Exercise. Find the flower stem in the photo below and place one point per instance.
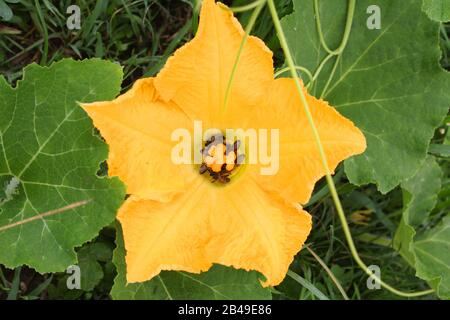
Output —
(337, 202)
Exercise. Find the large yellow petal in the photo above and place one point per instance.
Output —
(300, 165)
(196, 77)
(258, 230)
(137, 128)
(239, 225)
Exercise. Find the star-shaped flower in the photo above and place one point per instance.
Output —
(187, 216)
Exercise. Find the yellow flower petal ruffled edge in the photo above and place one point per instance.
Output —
(258, 227)
(243, 226)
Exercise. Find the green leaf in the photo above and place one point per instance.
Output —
(91, 271)
(58, 290)
(387, 81)
(51, 199)
(88, 261)
(218, 283)
(432, 257)
(438, 10)
(427, 251)
(5, 11)
(442, 150)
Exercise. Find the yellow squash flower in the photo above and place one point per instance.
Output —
(176, 218)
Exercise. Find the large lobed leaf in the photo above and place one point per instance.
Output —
(387, 81)
(428, 250)
(48, 160)
(219, 282)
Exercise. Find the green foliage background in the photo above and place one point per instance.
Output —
(391, 82)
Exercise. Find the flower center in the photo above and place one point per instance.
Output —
(221, 159)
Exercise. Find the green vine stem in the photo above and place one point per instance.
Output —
(302, 69)
(348, 27)
(337, 202)
(249, 6)
(320, 67)
(333, 71)
(195, 13)
(342, 45)
(248, 29)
